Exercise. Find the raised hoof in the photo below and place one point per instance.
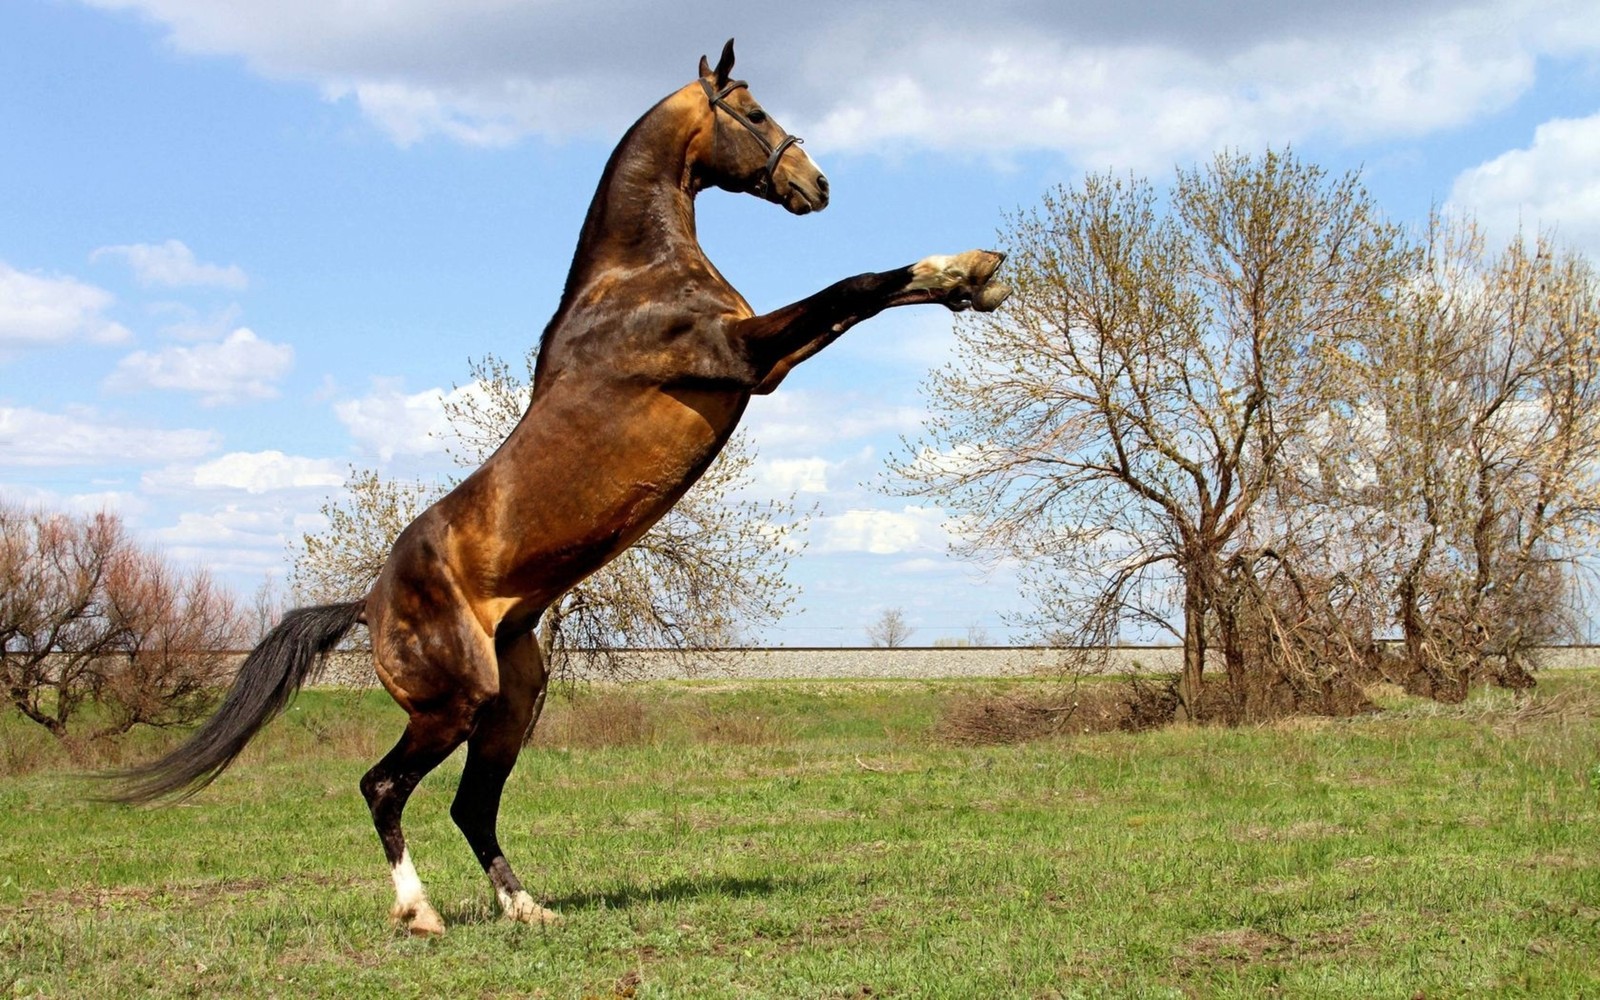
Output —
(979, 265)
(961, 281)
(524, 910)
(421, 921)
(989, 297)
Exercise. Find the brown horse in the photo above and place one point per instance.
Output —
(642, 375)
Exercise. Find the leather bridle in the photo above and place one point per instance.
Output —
(718, 99)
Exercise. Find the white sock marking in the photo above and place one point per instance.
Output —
(929, 272)
(408, 892)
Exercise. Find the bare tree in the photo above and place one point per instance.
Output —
(889, 630)
(340, 562)
(1485, 471)
(52, 625)
(176, 638)
(707, 575)
(87, 615)
(1119, 425)
(266, 607)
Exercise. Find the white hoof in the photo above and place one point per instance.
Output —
(419, 919)
(524, 910)
(943, 273)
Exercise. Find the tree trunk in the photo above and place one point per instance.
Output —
(1194, 653)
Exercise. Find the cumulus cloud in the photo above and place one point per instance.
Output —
(883, 532)
(242, 540)
(183, 322)
(1031, 74)
(251, 472)
(390, 421)
(121, 502)
(790, 475)
(797, 419)
(173, 265)
(1551, 183)
(239, 367)
(31, 437)
(38, 310)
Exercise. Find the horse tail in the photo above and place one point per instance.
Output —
(266, 683)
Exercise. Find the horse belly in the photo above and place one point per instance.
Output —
(552, 522)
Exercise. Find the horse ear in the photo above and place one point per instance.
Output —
(725, 65)
(705, 68)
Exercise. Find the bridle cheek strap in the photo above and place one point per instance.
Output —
(774, 153)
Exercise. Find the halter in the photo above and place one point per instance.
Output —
(774, 153)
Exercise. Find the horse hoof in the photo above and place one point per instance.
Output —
(989, 297)
(422, 922)
(979, 265)
(524, 910)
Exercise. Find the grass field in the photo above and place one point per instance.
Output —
(814, 840)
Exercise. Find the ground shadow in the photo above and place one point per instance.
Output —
(672, 890)
(624, 896)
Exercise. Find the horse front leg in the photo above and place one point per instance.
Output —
(777, 341)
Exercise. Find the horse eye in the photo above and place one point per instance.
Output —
(757, 116)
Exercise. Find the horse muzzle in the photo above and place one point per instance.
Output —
(802, 196)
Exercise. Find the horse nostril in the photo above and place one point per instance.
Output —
(822, 185)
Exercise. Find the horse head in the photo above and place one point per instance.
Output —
(751, 153)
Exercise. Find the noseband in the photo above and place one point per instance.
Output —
(718, 99)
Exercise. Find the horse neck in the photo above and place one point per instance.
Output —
(643, 209)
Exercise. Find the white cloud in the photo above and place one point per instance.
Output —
(241, 540)
(239, 367)
(34, 438)
(780, 476)
(231, 524)
(251, 472)
(1552, 183)
(38, 310)
(883, 532)
(119, 501)
(391, 422)
(797, 419)
(1032, 74)
(173, 265)
(183, 322)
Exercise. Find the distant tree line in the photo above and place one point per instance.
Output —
(1250, 412)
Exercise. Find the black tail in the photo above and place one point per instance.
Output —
(267, 681)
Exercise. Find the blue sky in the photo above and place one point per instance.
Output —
(244, 246)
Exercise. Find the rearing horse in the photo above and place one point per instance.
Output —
(642, 375)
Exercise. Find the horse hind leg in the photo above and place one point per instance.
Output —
(437, 726)
(492, 752)
(386, 788)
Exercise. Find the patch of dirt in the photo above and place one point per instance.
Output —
(1242, 946)
(625, 988)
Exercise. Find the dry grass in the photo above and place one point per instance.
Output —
(997, 720)
(606, 716)
(599, 717)
(1507, 712)
(736, 728)
(1138, 704)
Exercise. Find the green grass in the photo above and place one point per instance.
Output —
(834, 850)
